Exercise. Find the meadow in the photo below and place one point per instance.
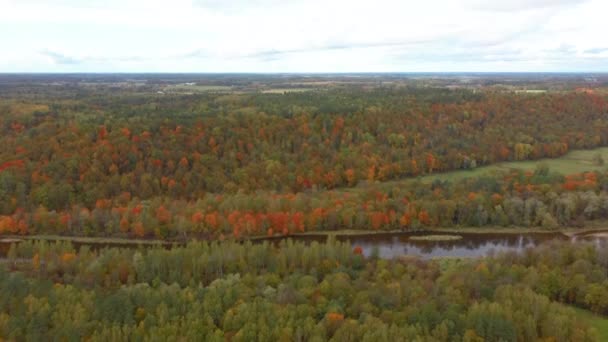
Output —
(573, 162)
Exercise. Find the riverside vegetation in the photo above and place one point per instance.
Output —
(325, 291)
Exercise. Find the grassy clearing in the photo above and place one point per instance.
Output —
(571, 163)
(600, 323)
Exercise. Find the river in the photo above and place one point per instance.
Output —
(391, 245)
(469, 245)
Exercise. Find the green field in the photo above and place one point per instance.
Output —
(600, 323)
(571, 163)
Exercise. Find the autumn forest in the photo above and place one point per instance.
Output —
(209, 181)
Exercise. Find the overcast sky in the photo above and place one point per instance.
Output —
(303, 35)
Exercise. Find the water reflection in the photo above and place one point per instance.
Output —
(471, 245)
(391, 245)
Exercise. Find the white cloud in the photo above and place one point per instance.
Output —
(313, 35)
(522, 5)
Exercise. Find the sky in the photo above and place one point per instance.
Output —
(288, 36)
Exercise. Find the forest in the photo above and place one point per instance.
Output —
(214, 180)
(116, 160)
(297, 292)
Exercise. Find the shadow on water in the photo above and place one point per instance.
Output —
(391, 245)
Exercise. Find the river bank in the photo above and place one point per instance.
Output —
(568, 231)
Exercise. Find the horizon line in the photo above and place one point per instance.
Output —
(286, 72)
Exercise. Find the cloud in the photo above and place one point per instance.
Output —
(237, 5)
(59, 58)
(462, 54)
(274, 53)
(301, 35)
(197, 53)
(563, 49)
(63, 59)
(522, 5)
(595, 51)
